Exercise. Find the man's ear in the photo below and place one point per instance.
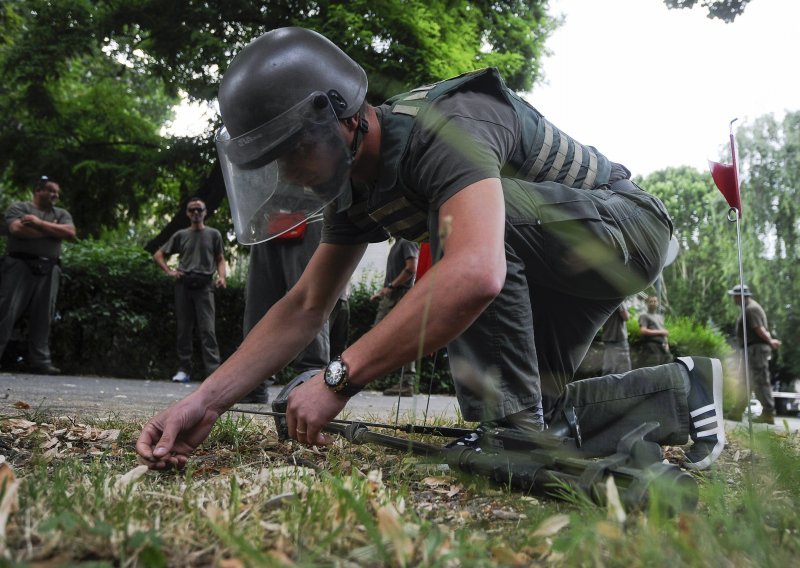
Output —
(350, 123)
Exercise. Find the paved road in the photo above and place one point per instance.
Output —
(138, 399)
(131, 398)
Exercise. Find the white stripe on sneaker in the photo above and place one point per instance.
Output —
(705, 433)
(702, 409)
(705, 421)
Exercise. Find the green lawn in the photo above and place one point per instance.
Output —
(248, 500)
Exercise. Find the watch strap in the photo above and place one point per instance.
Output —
(349, 390)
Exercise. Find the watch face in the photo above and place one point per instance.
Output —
(334, 373)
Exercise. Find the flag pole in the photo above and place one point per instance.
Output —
(735, 215)
(726, 177)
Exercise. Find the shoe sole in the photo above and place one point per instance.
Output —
(716, 373)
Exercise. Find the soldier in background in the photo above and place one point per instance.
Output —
(616, 351)
(200, 251)
(31, 270)
(760, 345)
(652, 329)
(401, 270)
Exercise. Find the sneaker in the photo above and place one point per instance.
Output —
(706, 425)
(401, 390)
(259, 395)
(765, 418)
(180, 377)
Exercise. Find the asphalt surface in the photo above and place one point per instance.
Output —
(103, 397)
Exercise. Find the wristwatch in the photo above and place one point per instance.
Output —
(336, 379)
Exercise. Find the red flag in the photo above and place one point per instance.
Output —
(425, 261)
(726, 176)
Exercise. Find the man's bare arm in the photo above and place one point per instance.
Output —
(287, 328)
(32, 227)
(170, 437)
(458, 288)
(647, 332)
(765, 336)
(454, 292)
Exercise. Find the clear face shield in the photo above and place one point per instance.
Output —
(280, 174)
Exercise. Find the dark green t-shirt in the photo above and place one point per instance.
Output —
(653, 321)
(198, 250)
(49, 247)
(401, 251)
(756, 317)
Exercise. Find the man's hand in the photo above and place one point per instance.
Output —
(311, 406)
(31, 220)
(168, 439)
(220, 283)
(385, 291)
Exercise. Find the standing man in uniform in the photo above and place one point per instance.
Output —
(760, 345)
(651, 327)
(401, 269)
(31, 270)
(616, 351)
(200, 254)
(275, 266)
(539, 238)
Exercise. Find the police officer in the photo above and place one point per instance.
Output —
(540, 239)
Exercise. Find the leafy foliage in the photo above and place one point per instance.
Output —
(707, 266)
(114, 301)
(725, 10)
(90, 84)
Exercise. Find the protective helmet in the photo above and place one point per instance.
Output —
(282, 152)
(740, 291)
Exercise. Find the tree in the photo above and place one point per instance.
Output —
(707, 266)
(725, 10)
(769, 157)
(73, 113)
(696, 282)
(103, 138)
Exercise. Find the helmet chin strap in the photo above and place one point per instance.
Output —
(363, 128)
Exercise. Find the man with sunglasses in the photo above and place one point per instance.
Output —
(30, 271)
(539, 238)
(200, 255)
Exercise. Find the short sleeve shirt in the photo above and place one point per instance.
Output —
(756, 317)
(653, 321)
(615, 329)
(198, 250)
(49, 247)
(401, 251)
(467, 137)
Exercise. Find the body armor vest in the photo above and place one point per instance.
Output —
(543, 153)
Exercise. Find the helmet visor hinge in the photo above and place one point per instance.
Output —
(337, 101)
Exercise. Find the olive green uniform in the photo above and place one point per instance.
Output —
(30, 280)
(194, 304)
(579, 238)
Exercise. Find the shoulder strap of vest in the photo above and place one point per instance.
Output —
(412, 102)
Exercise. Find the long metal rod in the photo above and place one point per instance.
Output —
(443, 431)
(745, 355)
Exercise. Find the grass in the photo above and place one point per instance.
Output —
(248, 500)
